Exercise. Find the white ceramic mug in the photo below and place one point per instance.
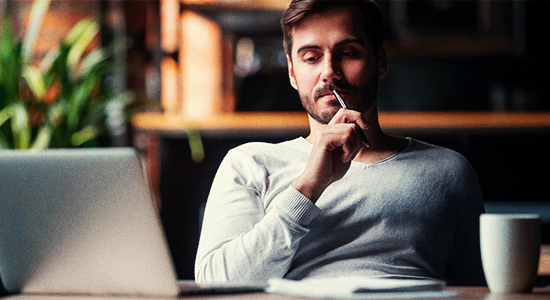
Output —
(510, 249)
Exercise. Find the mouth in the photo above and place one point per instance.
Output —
(340, 91)
(327, 97)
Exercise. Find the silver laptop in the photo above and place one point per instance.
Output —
(81, 221)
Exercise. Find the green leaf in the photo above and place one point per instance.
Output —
(20, 127)
(54, 119)
(195, 144)
(5, 114)
(79, 39)
(79, 100)
(96, 57)
(5, 49)
(10, 65)
(77, 31)
(38, 11)
(55, 112)
(85, 134)
(49, 59)
(6, 40)
(4, 142)
(35, 81)
(43, 138)
(90, 62)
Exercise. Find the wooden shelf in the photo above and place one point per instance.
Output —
(237, 4)
(150, 128)
(281, 123)
(224, 125)
(466, 122)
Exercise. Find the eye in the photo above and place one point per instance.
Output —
(310, 58)
(348, 53)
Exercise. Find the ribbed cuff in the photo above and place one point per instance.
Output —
(298, 207)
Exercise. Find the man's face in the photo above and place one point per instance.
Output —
(329, 52)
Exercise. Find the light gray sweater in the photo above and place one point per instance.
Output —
(414, 214)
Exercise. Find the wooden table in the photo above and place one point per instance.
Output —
(470, 293)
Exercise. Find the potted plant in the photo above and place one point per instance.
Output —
(63, 101)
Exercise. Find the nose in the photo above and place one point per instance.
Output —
(331, 70)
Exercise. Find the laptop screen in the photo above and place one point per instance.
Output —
(80, 221)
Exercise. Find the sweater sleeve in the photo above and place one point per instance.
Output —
(243, 238)
(465, 265)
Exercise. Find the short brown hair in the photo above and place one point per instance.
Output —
(368, 10)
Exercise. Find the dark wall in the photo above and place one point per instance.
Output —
(538, 48)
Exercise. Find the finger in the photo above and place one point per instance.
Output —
(349, 141)
(349, 116)
(340, 116)
(350, 150)
(361, 122)
(343, 136)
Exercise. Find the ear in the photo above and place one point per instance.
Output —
(291, 74)
(382, 62)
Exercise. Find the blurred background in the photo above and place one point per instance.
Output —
(201, 59)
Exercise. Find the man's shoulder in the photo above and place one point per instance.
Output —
(443, 164)
(266, 154)
(264, 148)
(437, 154)
(261, 157)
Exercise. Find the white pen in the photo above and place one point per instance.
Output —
(343, 104)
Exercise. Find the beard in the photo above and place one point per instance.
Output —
(324, 116)
(365, 94)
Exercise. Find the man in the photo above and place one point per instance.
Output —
(328, 205)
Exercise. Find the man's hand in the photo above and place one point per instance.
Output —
(335, 146)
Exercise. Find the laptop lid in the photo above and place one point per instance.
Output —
(80, 221)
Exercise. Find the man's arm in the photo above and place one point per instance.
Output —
(465, 267)
(241, 240)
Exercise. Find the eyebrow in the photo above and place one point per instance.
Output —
(338, 44)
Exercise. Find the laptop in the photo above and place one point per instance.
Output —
(81, 221)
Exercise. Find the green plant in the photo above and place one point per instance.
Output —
(63, 102)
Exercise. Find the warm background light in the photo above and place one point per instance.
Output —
(169, 87)
(200, 66)
(169, 15)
